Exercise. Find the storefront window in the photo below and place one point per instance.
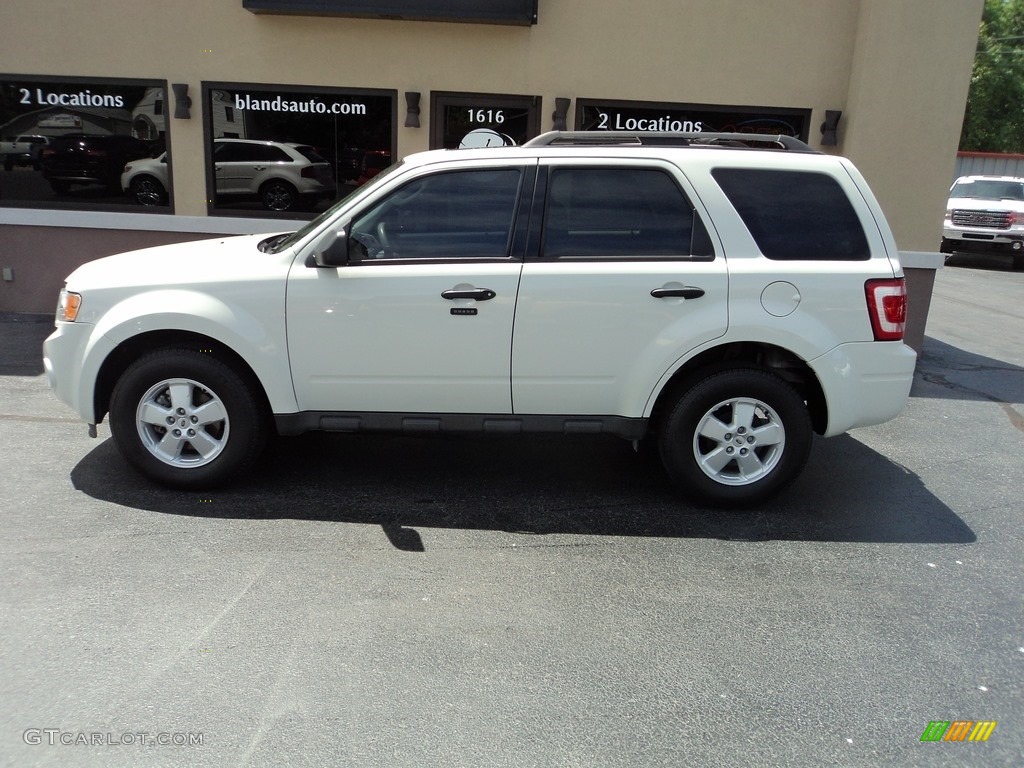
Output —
(601, 115)
(84, 143)
(479, 120)
(294, 151)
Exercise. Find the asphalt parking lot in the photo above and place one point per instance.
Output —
(381, 601)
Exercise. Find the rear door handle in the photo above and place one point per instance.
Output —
(479, 294)
(686, 292)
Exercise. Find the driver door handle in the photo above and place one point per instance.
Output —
(479, 294)
(686, 292)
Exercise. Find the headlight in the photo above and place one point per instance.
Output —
(68, 306)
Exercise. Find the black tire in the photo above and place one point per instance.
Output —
(60, 187)
(277, 195)
(148, 191)
(736, 438)
(221, 426)
(8, 163)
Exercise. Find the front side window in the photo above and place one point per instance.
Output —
(795, 215)
(620, 213)
(458, 214)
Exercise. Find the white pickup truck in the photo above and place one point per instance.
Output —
(23, 150)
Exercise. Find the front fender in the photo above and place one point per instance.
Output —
(256, 334)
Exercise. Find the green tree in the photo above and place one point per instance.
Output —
(994, 119)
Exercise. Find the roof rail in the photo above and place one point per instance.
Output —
(670, 139)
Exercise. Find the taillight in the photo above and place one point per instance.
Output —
(887, 308)
(309, 172)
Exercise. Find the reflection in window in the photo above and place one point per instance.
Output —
(463, 214)
(295, 150)
(67, 143)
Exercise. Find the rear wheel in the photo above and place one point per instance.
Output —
(186, 419)
(146, 190)
(736, 438)
(278, 195)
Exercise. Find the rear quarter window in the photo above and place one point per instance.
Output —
(795, 215)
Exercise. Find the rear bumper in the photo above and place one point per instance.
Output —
(865, 383)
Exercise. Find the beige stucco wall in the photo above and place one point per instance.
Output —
(898, 69)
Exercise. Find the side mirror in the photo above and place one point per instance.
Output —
(332, 250)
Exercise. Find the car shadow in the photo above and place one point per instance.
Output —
(997, 262)
(950, 373)
(543, 485)
(21, 343)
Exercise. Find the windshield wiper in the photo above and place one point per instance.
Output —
(272, 242)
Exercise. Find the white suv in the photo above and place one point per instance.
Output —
(717, 301)
(282, 176)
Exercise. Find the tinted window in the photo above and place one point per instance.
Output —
(613, 213)
(310, 154)
(230, 152)
(795, 215)
(463, 214)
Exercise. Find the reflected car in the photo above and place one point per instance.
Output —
(282, 176)
(373, 163)
(79, 158)
(146, 181)
(23, 150)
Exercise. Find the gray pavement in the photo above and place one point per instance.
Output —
(379, 601)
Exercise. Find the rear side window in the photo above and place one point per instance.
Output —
(795, 215)
(620, 213)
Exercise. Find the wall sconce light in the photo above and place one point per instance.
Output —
(412, 109)
(558, 117)
(182, 101)
(828, 128)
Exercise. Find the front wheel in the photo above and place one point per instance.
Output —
(736, 438)
(186, 419)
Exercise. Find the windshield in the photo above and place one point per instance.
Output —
(989, 189)
(278, 243)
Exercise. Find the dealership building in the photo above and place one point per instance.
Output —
(335, 90)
